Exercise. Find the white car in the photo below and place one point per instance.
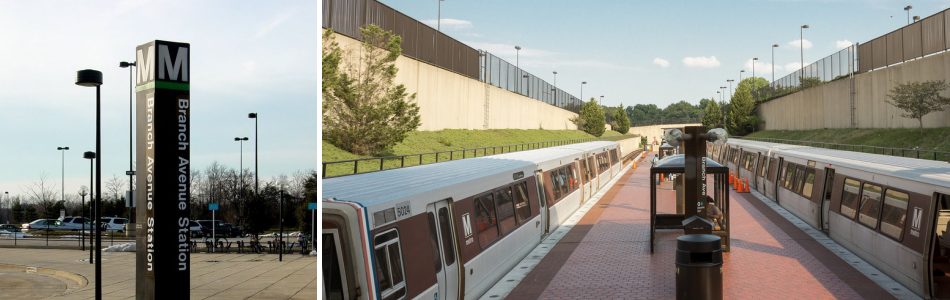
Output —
(114, 223)
(75, 223)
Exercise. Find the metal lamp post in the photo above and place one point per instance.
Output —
(801, 44)
(254, 116)
(907, 9)
(62, 186)
(730, 86)
(82, 212)
(438, 23)
(754, 98)
(740, 75)
(280, 243)
(517, 50)
(582, 89)
(90, 78)
(773, 61)
(131, 171)
(241, 140)
(90, 156)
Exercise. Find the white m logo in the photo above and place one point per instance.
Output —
(916, 221)
(467, 225)
(173, 69)
(144, 62)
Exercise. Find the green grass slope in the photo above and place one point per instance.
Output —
(445, 140)
(929, 139)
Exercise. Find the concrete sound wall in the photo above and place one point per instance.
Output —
(448, 100)
(829, 105)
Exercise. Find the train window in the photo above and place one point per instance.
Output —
(809, 183)
(434, 239)
(772, 165)
(485, 220)
(613, 156)
(788, 172)
(565, 185)
(735, 156)
(583, 166)
(894, 213)
(572, 177)
(555, 184)
(761, 166)
(590, 167)
(799, 178)
(870, 209)
(447, 243)
(506, 210)
(849, 197)
(388, 265)
(522, 205)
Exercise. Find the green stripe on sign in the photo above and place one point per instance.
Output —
(167, 85)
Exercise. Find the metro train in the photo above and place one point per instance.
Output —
(891, 211)
(451, 230)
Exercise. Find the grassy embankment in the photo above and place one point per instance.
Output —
(927, 140)
(445, 140)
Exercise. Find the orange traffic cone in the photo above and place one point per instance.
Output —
(747, 189)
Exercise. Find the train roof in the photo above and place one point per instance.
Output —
(457, 178)
(920, 170)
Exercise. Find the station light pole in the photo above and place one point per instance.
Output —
(131, 171)
(62, 151)
(438, 23)
(254, 116)
(907, 9)
(240, 140)
(754, 60)
(517, 50)
(740, 75)
(801, 46)
(730, 86)
(773, 61)
(82, 212)
(90, 78)
(90, 156)
(582, 90)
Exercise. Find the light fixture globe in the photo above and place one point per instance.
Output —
(717, 136)
(673, 137)
(88, 77)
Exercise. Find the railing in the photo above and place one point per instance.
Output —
(903, 152)
(375, 164)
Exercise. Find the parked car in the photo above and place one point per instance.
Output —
(195, 228)
(221, 230)
(44, 224)
(76, 223)
(9, 228)
(113, 224)
(11, 231)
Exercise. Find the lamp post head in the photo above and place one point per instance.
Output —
(555, 72)
(729, 80)
(774, 45)
(805, 26)
(916, 18)
(583, 82)
(126, 64)
(89, 155)
(62, 148)
(908, 8)
(517, 47)
(524, 76)
(240, 139)
(88, 77)
(252, 115)
(755, 58)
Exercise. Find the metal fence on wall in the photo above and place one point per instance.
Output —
(424, 43)
(505, 75)
(830, 68)
(913, 41)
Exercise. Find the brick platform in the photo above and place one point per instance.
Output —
(607, 255)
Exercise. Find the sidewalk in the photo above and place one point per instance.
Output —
(213, 276)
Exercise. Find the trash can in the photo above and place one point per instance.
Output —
(698, 267)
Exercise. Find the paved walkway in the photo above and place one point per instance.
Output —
(67, 274)
(607, 255)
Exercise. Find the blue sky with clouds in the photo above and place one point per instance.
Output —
(661, 51)
(246, 56)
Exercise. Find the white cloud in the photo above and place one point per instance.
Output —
(701, 62)
(843, 44)
(760, 67)
(661, 62)
(804, 44)
(793, 66)
(450, 23)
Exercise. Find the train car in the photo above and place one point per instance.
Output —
(590, 168)
(448, 230)
(891, 211)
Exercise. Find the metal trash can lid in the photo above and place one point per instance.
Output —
(699, 243)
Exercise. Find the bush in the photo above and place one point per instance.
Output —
(591, 119)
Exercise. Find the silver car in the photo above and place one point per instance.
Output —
(45, 224)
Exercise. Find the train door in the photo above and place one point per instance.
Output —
(542, 200)
(939, 262)
(334, 274)
(826, 198)
(778, 178)
(448, 276)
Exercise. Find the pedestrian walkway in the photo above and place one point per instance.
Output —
(68, 275)
(607, 255)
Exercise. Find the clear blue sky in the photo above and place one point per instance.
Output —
(619, 47)
(246, 56)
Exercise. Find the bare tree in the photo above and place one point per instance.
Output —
(115, 187)
(43, 195)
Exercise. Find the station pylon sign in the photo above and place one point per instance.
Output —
(163, 182)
